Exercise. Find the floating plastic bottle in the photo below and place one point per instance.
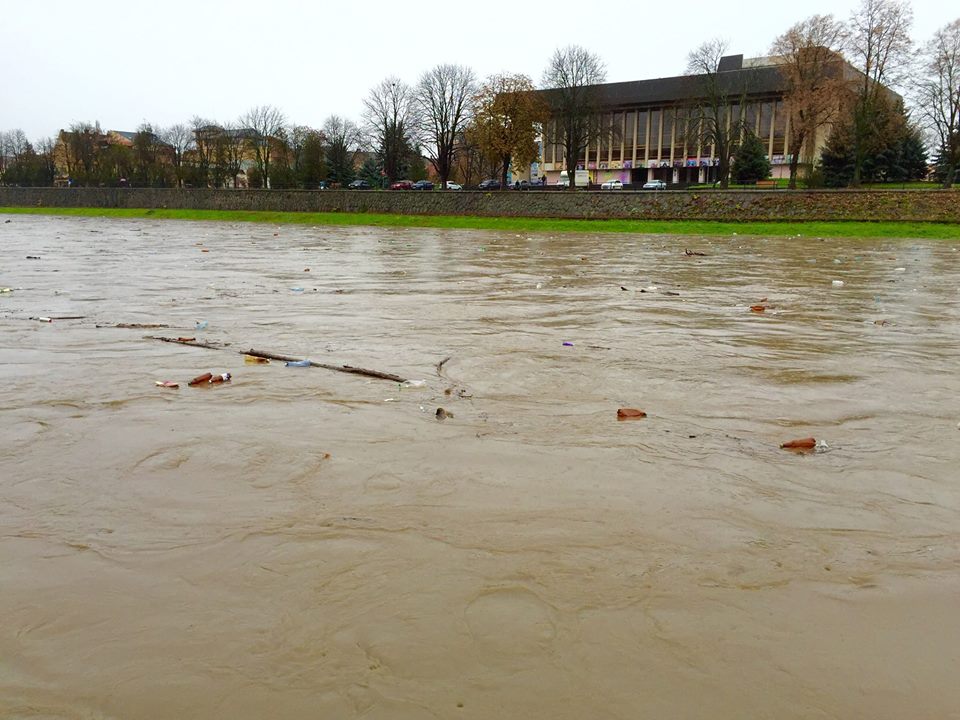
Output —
(202, 324)
(221, 378)
(298, 363)
(200, 379)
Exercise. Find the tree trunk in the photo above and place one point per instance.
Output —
(724, 170)
(503, 171)
(794, 163)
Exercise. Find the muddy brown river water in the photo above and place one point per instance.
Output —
(301, 543)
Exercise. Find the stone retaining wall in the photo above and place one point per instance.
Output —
(802, 205)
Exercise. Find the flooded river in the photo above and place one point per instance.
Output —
(302, 543)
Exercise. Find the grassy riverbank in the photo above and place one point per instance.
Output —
(947, 231)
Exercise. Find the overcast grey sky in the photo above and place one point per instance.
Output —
(163, 62)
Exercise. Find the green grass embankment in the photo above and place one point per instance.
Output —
(946, 231)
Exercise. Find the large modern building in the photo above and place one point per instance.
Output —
(642, 136)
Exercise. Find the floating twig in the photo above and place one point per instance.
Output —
(442, 363)
(137, 326)
(187, 341)
(284, 358)
(338, 368)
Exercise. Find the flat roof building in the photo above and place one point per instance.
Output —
(641, 135)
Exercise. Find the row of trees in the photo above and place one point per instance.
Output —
(260, 146)
(468, 129)
(26, 163)
(872, 136)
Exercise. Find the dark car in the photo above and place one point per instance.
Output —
(359, 185)
(423, 185)
(490, 185)
(402, 185)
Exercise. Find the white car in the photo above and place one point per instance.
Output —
(454, 186)
(655, 185)
(612, 185)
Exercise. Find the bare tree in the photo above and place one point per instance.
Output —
(3, 152)
(716, 115)
(47, 148)
(180, 139)
(444, 98)
(81, 144)
(938, 95)
(389, 117)
(205, 135)
(267, 122)
(343, 141)
(572, 77)
(812, 70)
(233, 142)
(15, 150)
(17, 144)
(8, 141)
(879, 46)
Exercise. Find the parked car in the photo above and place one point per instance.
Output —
(454, 186)
(655, 185)
(402, 185)
(522, 185)
(423, 185)
(324, 185)
(612, 185)
(490, 185)
(359, 185)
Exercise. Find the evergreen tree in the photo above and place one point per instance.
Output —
(414, 165)
(941, 166)
(837, 159)
(914, 153)
(751, 163)
(282, 176)
(313, 169)
(371, 172)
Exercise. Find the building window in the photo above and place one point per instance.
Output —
(666, 133)
(680, 139)
(751, 117)
(779, 128)
(766, 122)
(629, 130)
(642, 117)
(616, 137)
(654, 147)
(604, 139)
